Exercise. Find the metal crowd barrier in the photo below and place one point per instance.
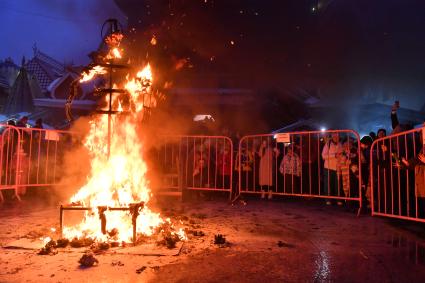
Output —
(190, 162)
(30, 157)
(397, 169)
(304, 164)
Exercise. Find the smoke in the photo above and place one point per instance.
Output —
(75, 167)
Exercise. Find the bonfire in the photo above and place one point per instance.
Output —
(116, 196)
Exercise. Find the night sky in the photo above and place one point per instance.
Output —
(67, 30)
(343, 51)
(361, 48)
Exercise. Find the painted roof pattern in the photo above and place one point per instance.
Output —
(44, 68)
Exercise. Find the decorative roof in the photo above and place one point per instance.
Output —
(20, 98)
(44, 68)
(8, 72)
(3, 82)
(8, 63)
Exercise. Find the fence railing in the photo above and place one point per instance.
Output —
(397, 167)
(203, 163)
(30, 157)
(322, 164)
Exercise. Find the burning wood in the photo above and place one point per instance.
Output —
(62, 243)
(88, 260)
(49, 248)
(81, 242)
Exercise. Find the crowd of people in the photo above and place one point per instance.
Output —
(334, 163)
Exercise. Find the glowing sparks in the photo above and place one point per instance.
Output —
(153, 40)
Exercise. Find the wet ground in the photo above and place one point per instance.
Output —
(268, 241)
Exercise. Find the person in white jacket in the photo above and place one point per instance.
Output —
(330, 154)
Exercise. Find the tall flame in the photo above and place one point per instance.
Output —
(120, 179)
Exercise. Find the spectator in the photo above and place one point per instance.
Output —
(309, 155)
(22, 122)
(224, 167)
(38, 124)
(290, 168)
(200, 158)
(397, 127)
(344, 164)
(266, 153)
(330, 154)
(372, 135)
(382, 181)
(246, 163)
(365, 144)
(382, 133)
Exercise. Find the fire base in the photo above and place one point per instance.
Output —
(133, 208)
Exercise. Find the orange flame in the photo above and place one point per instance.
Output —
(114, 53)
(119, 180)
(96, 70)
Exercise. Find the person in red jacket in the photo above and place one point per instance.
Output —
(224, 167)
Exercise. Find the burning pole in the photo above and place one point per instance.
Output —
(111, 35)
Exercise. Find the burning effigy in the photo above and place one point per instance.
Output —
(115, 198)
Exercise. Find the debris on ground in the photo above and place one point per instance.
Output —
(197, 233)
(48, 249)
(282, 244)
(117, 263)
(83, 242)
(103, 246)
(219, 239)
(88, 260)
(167, 237)
(140, 270)
(62, 243)
(170, 241)
(98, 247)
